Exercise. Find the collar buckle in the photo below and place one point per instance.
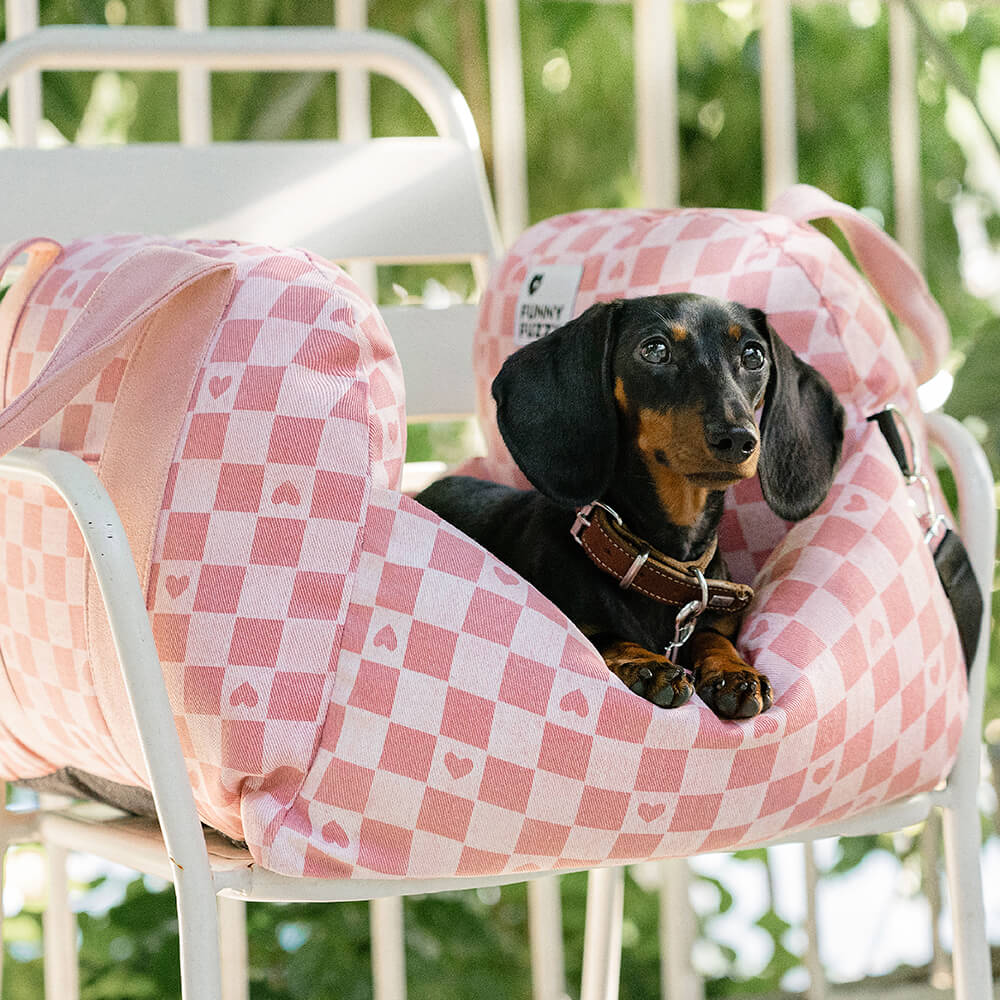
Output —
(582, 521)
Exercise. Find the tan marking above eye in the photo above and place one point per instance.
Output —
(735, 331)
(679, 332)
(620, 396)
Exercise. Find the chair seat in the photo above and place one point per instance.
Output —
(137, 842)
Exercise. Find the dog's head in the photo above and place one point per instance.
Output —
(673, 382)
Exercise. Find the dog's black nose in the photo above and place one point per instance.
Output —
(732, 444)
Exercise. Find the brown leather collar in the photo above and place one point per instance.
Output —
(638, 566)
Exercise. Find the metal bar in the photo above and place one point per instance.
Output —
(510, 170)
(970, 950)
(234, 49)
(548, 969)
(107, 544)
(977, 515)
(657, 130)
(194, 83)
(960, 816)
(354, 118)
(812, 961)
(233, 948)
(61, 972)
(904, 129)
(25, 100)
(777, 87)
(4, 844)
(930, 863)
(353, 90)
(602, 936)
(678, 930)
(388, 950)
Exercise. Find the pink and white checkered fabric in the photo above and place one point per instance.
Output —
(361, 691)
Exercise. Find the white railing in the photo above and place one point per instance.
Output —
(657, 116)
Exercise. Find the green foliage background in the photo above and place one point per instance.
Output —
(580, 154)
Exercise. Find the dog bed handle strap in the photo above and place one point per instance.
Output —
(886, 265)
(126, 298)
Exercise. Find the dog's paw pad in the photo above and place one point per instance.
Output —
(663, 683)
(736, 692)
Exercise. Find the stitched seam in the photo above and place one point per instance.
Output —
(642, 590)
(652, 569)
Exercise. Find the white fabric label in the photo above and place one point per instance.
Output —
(545, 301)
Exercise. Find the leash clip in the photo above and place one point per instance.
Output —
(687, 617)
(890, 419)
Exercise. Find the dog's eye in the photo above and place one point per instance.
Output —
(753, 357)
(655, 350)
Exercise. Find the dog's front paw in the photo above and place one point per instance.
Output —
(731, 688)
(725, 681)
(649, 675)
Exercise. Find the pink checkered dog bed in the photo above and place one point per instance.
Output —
(360, 690)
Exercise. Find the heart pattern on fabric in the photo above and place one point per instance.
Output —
(458, 767)
(244, 695)
(334, 833)
(648, 811)
(821, 773)
(856, 503)
(505, 576)
(286, 493)
(217, 385)
(176, 585)
(574, 701)
(385, 638)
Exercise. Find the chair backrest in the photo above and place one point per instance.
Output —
(398, 200)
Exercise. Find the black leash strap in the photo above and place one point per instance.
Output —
(950, 557)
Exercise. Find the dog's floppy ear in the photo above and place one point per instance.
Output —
(802, 430)
(556, 410)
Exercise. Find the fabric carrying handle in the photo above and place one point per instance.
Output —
(886, 265)
(124, 301)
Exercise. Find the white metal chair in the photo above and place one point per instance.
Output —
(424, 200)
(227, 872)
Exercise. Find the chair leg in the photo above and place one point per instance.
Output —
(678, 928)
(3, 868)
(970, 949)
(198, 930)
(233, 953)
(388, 948)
(813, 962)
(602, 936)
(60, 964)
(548, 969)
(930, 866)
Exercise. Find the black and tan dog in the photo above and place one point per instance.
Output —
(647, 406)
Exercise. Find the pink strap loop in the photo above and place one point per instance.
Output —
(128, 296)
(36, 246)
(886, 265)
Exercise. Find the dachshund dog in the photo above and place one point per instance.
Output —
(640, 412)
